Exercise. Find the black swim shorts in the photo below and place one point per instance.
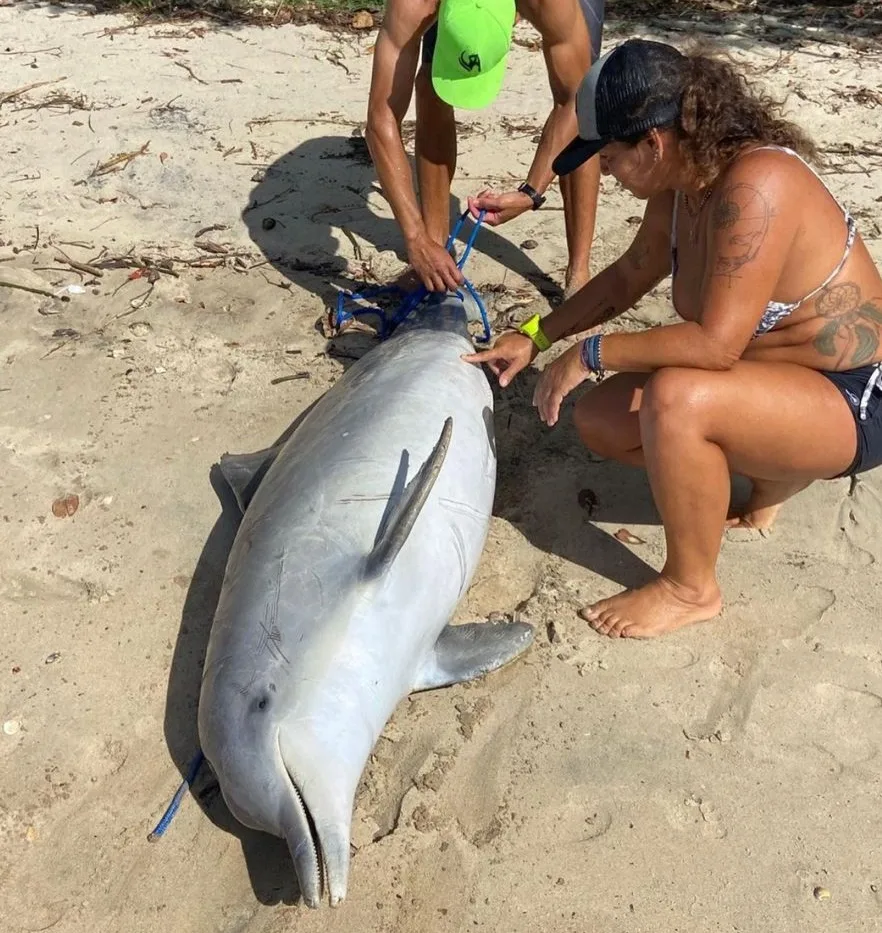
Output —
(861, 388)
(592, 10)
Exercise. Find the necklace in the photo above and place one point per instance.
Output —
(697, 213)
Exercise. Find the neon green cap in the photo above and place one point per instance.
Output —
(471, 50)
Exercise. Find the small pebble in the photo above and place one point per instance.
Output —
(821, 893)
(11, 726)
(52, 658)
(529, 244)
(268, 223)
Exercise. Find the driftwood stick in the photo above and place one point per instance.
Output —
(28, 288)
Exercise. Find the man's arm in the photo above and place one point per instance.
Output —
(566, 46)
(396, 57)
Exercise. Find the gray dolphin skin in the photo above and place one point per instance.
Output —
(360, 535)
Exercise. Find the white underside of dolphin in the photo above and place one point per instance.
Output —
(359, 537)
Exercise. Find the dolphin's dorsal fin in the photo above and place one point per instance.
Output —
(398, 523)
(243, 472)
(464, 652)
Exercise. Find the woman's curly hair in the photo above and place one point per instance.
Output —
(722, 113)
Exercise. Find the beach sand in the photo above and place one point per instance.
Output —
(724, 778)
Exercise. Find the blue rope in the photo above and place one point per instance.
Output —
(412, 300)
(172, 808)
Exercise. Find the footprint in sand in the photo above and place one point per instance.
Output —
(629, 656)
(696, 812)
(860, 517)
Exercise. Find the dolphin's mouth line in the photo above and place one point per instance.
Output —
(313, 837)
(314, 870)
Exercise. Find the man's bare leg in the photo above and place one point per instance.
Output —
(579, 191)
(435, 155)
(435, 152)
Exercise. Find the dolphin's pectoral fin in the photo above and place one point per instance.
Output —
(464, 652)
(397, 524)
(244, 472)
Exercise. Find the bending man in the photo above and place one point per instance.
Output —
(464, 46)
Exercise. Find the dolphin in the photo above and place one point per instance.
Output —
(360, 534)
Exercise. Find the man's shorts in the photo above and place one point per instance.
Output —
(591, 9)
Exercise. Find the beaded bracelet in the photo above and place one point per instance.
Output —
(589, 353)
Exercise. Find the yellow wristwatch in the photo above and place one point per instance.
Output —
(532, 328)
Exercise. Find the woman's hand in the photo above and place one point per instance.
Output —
(511, 353)
(500, 208)
(558, 379)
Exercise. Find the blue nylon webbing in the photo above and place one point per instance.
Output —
(412, 300)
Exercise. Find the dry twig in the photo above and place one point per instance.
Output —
(119, 162)
(81, 266)
(28, 288)
(189, 71)
(12, 95)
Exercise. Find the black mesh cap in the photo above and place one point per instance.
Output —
(628, 91)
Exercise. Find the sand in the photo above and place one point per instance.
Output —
(725, 778)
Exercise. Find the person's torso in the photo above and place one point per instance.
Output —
(826, 308)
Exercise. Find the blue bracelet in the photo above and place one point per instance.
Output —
(590, 353)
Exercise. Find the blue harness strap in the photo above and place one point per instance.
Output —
(172, 809)
(409, 301)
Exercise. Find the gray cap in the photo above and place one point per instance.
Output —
(633, 88)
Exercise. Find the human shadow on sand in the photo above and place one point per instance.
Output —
(553, 490)
(301, 204)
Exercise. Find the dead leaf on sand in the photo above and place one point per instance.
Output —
(626, 537)
(65, 506)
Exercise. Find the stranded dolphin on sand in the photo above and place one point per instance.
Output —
(354, 550)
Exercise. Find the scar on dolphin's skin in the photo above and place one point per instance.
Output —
(460, 547)
(272, 637)
(243, 690)
(462, 507)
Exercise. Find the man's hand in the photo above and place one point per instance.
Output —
(500, 208)
(511, 353)
(558, 379)
(434, 265)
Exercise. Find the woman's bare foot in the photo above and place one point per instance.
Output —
(659, 607)
(761, 510)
